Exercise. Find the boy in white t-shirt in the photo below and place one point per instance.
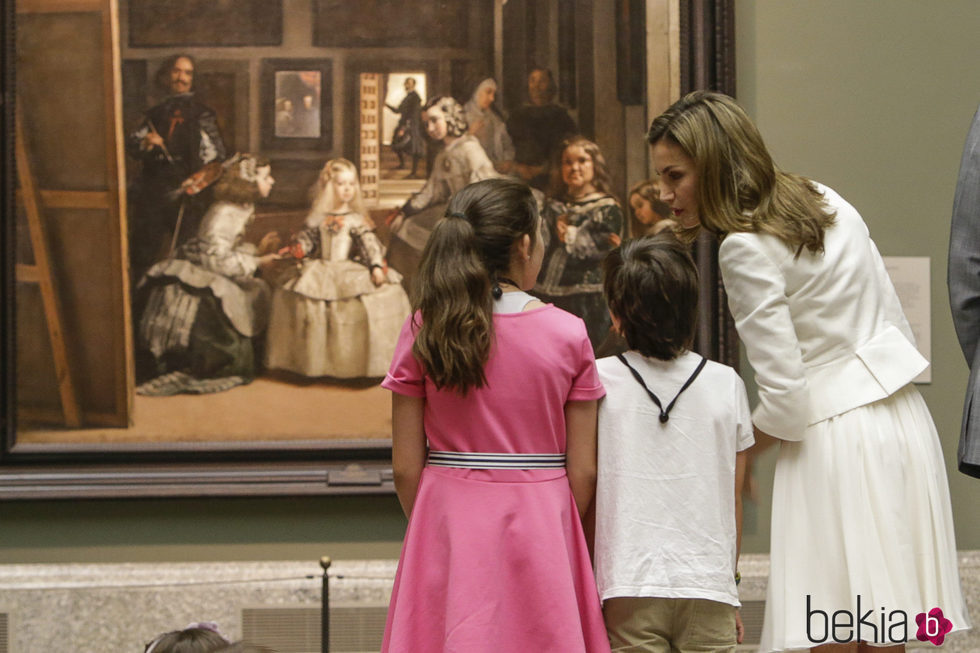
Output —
(673, 434)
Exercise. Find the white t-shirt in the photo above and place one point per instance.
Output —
(665, 499)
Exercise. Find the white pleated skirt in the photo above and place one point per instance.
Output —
(861, 509)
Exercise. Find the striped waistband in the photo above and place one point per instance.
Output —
(476, 460)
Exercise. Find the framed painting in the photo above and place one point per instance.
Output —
(406, 24)
(103, 94)
(297, 104)
(186, 23)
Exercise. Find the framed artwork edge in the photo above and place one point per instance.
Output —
(33, 472)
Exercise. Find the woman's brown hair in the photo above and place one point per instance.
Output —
(739, 187)
(467, 252)
(237, 182)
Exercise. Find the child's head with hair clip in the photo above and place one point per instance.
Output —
(651, 286)
(195, 638)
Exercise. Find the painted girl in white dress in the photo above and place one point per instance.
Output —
(337, 312)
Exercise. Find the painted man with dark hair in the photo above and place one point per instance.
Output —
(538, 127)
(175, 139)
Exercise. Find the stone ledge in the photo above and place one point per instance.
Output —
(117, 608)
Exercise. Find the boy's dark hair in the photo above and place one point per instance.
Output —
(651, 286)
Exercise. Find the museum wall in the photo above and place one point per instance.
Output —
(874, 103)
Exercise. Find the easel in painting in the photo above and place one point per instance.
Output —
(41, 274)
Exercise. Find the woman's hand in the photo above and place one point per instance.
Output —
(268, 261)
(561, 227)
(478, 126)
(395, 219)
(270, 242)
(378, 275)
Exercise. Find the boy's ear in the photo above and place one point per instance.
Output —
(617, 326)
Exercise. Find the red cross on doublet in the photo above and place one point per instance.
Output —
(176, 119)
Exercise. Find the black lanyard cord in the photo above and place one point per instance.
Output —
(664, 412)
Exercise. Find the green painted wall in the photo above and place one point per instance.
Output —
(872, 98)
(201, 529)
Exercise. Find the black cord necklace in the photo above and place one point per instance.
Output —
(497, 291)
(664, 412)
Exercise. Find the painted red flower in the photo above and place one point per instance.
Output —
(933, 626)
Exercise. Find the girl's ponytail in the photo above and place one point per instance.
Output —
(466, 252)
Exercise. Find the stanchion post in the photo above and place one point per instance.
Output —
(325, 606)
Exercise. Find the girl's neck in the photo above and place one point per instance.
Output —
(583, 192)
(449, 140)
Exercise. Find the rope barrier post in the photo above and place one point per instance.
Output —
(325, 606)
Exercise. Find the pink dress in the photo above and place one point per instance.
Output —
(495, 559)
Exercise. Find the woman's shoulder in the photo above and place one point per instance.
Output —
(738, 249)
(468, 146)
(225, 207)
(223, 216)
(466, 142)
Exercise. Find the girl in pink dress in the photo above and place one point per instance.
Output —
(493, 444)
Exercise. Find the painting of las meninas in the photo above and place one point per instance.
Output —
(198, 264)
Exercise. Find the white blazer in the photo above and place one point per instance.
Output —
(825, 333)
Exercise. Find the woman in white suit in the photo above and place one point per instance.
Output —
(861, 517)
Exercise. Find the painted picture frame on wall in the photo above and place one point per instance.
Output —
(385, 24)
(297, 104)
(185, 23)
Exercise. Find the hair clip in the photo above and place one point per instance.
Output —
(205, 625)
(457, 214)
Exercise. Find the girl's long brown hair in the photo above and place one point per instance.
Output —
(468, 250)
